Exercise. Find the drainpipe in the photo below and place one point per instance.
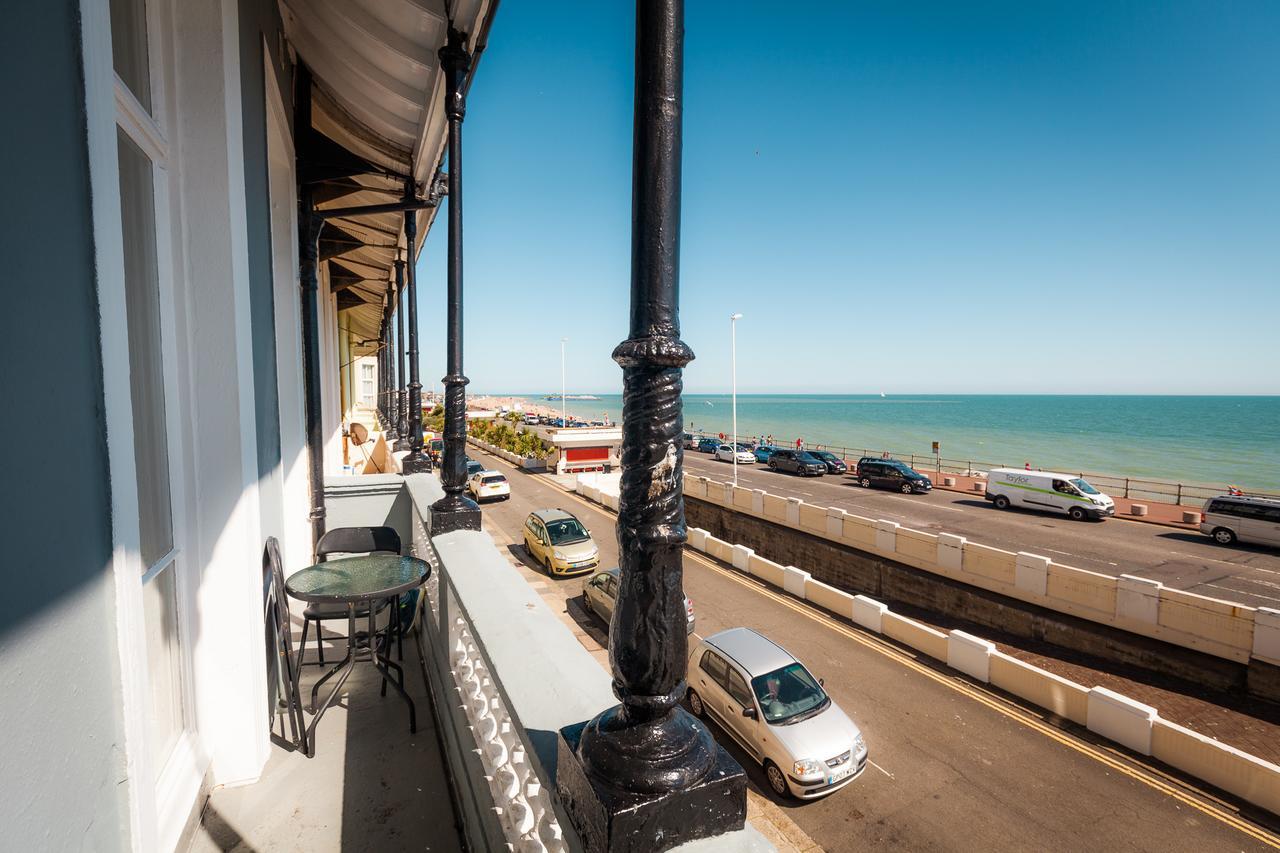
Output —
(646, 769)
(308, 275)
(454, 511)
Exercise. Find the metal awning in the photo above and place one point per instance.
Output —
(377, 94)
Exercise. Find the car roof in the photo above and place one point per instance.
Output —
(546, 515)
(754, 652)
(1023, 471)
(488, 471)
(1248, 499)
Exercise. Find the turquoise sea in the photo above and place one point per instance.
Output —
(1212, 440)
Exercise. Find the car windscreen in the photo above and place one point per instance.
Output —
(788, 695)
(744, 447)
(490, 481)
(1084, 486)
(825, 455)
(566, 531)
(806, 456)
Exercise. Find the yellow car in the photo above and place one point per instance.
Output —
(559, 543)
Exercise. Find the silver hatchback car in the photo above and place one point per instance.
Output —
(777, 711)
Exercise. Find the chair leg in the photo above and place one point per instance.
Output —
(302, 649)
(399, 632)
(320, 640)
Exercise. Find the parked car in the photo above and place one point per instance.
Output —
(1232, 518)
(891, 474)
(835, 465)
(764, 451)
(1045, 490)
(691, 441)
(473, 467)
(558, 542)
(708, 445)
(531, 419)
(777, 711)
(436, 450)
(797, 462)
(600, 594)
(727, 452)
(489, 485)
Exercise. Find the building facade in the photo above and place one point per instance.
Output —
(163, 138)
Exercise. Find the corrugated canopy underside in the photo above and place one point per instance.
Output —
(378, 91)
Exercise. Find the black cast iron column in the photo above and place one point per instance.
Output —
(657, 775)
(392, 428)
(454, 511)
(400, 415)
(416, 461)
(382, 385)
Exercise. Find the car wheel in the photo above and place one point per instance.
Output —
(546, 565)
(695, 704)
(1223, 536)
(1077, 513)
(906, 488)
(777, 781)
(773, 466)
(1001, 502)
(865, 482)
(586, 604)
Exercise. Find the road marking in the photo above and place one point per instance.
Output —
(881, 769)
(1016, 713)
(1056, 551)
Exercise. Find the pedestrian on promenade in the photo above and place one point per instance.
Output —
(799, 443)
(1027, 465)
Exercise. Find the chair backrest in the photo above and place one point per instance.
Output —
(358, 540)
(282, 670)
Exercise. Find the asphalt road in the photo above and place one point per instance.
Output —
(955, 765)
(1246, 574)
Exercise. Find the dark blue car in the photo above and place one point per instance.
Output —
(708, 445)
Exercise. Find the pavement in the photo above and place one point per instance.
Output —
(1181, 559)
(954, 764)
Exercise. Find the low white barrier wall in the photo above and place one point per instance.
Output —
(1221, 628)
(1117, 717)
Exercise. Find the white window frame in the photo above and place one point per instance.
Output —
(160, 798)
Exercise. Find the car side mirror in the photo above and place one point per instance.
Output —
(749, 713)
(822, 682)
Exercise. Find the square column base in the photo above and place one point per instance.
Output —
(609, 820)
(459, 519)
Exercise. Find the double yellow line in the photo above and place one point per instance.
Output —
(1001, 706)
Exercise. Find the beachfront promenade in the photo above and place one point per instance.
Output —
(1182, 559)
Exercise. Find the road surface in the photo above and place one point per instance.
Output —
(1246, 574)
(956, 766)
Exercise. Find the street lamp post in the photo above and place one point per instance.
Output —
(733, 357)
(564, 418)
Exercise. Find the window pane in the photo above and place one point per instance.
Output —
(146, 379)
(160, 622)
(129, 47)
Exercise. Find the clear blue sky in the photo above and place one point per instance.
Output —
(903, 197)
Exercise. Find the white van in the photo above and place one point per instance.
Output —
(1230, 517)
(1045, 490)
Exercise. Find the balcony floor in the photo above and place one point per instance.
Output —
(371, 785)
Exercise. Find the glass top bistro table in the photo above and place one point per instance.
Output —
(356, 581)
